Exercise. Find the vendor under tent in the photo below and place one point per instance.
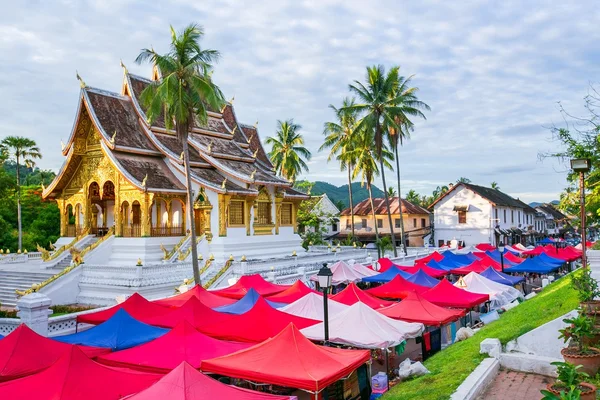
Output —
(311, 307)
(444, 294)
(247, 282)
(342, 274)
(293, 293)
(387, 276)
(353, 294)
(121, 331)
(414, 308)
(500, 295)
(534, 266)
(206, 297)
(436, 256)
(193, 311)
(398, 288)
(245, 304)
(361, 326)
(74, 377)
(290, 359)
(182, 344)
(135, 305)
(187, 383)
(422, 279)
(502, 278)
(24, 352)
(260, 323)
(433, 272)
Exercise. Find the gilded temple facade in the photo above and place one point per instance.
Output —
(123, 175)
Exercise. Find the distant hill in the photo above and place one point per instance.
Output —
(340, 193)
(535, 204)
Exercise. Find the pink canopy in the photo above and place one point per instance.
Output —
(432, 272)
(352, 294)
(193, 311)
(343, 274)
(293, 293)
(397, 288)
(445, 294)
(414, 308)
(247, 282)
(206, 297)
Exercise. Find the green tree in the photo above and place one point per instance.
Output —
(413, 197)
(288, 153)
(391, 192)
(185, 92)
(494, 185)
(340, 138)
(463, 180)
(25, 150)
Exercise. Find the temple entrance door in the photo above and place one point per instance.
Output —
(200, 221)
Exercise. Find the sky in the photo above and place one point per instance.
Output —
(492, 73)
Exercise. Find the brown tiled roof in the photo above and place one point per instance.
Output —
(115, 113)
(246, 169)
(158, 174)
(550, 209)
(495, 196)
(290, 192)
(230, 120)
(526, 207)
(364, 207)
(213, 176)
(175, 147)
(222, 146)
(252, 134)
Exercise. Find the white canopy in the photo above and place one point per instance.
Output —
(500, 294)
(467, 250)
(362, 270)
(519, 247)
(342, 273)
(361, 326)
(311, 306)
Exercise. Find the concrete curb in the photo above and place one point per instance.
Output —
(478, 380)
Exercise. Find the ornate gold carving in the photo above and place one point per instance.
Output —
(253, 174)
(81, 82)
(223, 213)
(224, 184)
(112, 139)
(209, 148)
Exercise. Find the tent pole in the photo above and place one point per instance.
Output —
(387, 368)
(76, 326)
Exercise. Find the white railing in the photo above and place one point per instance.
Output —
(13, 258)
(135, 276)
(7, 325)
(34, 255)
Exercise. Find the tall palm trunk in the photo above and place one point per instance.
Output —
(374, 217)
(350, 197)
(400, 201)
(19, 205)
(182, 133)
(385, 192)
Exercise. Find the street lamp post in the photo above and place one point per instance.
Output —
(501, 249)
(582, 165)
(324, 276)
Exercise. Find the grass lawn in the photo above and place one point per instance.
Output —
(451, 366)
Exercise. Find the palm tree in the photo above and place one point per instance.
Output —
(413, 197)
(439, 191)
(391, 192)
(365, 165)
(494, 185)
(184, 94)
(462, 179)
(407, 105)
(378, 105)
(25, 150)
(288, 151)
(340, 139)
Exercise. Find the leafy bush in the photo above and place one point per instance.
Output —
(586, 286)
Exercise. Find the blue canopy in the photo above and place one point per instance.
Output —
(421, 278)
(460, 260)
(446, 264)
(387, 276)
(546, 241)
(471, 256)
(549, 259)
(121, 331)
(495, 255)
(245, 304)
(497, 276)
(533, 265)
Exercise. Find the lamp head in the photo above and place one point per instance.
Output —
(324, 276)
(581, 164)
(501, 247)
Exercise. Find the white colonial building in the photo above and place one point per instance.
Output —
(552, 220)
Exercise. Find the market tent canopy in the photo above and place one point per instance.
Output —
(186, 383)
(121, 331)
(513, 258)
(182, 343)
(361, 326)
(206, 297)
(444, 294)
(476, 266)
(534, 252)
(433, 272)
(421, 278)
(23, 352)
(245, 303)
(247, 282)
(361, 269)
(500, 295)
(293, 293)
(414, 308)
(502, 278)
(342, 274)
(76, 377)
(397, 288)
(495, 255)
(446, 264)
(485, 246)
(433, 256)
(387, 276)
(258, 324)
(544, 257)
(136, 305)
(533, 265)
(289, 359)
(311, 307)
(546, 240)
(353, 294)
(384, 264)
(193, 311)
(459, 259)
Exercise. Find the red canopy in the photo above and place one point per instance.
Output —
(186, 383)
(247, 282)
(23, 352)
(397, 288)
(489, 261)
(534, 252)
(352, 294)
(289, 359)
(433, 272)
(513, 258)
(259, 323)
(182, 343)
(76, 377)
(136, 305)
(384, 264)
(445, 294)
(414, 308)
(433, 256)
(206, 297)
(486, 247)
(193, 311)
(293, 293)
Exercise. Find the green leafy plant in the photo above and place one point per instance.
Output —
(383, 244)
(577, 330)
(568, 375)
(586, 286)
(571, 394)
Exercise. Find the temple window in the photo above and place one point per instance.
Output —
(236, 213)
(286, 214)
(264, 213)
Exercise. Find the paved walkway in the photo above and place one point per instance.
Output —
(511, 385)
